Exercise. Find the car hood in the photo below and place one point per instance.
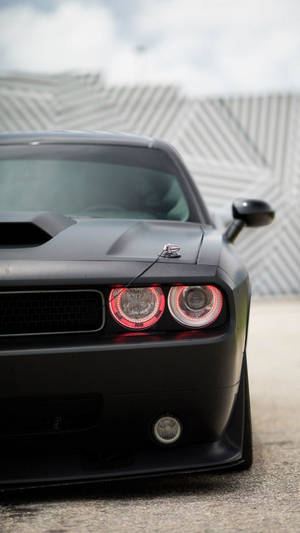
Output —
(91, 239)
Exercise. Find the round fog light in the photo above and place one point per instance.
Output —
(167, 429)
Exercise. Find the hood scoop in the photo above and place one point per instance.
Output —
(22, 229)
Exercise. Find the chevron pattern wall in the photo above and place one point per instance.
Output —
(234, 147)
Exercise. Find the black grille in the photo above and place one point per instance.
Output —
(45, 312)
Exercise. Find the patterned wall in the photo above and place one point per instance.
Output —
(247, 146)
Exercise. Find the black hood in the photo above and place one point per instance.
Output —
(94, 239)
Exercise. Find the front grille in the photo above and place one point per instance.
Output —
(45, 312)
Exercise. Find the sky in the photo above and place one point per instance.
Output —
(206, 47)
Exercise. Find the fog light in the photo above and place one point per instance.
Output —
(167, 429)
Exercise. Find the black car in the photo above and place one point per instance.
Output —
(123, 314)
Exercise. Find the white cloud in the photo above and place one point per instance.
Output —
(206, 46)
(228, 45)
(73, 36)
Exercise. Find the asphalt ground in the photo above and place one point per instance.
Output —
(264, 499)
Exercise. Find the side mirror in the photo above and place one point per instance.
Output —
(248, 212)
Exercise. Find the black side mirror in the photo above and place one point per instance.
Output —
(248, 212)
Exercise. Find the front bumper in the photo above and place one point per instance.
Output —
(135, 379)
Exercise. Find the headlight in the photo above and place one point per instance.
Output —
(197, 306)
(138, 308)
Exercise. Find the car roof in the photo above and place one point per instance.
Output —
(65, 136)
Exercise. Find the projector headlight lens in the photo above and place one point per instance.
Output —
(137, 308)
(195, 306)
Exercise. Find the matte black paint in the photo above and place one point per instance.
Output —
(195, 375)
(248, 212)
(253, 212)
(99, 239)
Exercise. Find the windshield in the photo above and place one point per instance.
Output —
(91, 180)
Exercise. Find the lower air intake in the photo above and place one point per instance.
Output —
(49, 415)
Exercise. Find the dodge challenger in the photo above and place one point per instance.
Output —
(123, 314)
